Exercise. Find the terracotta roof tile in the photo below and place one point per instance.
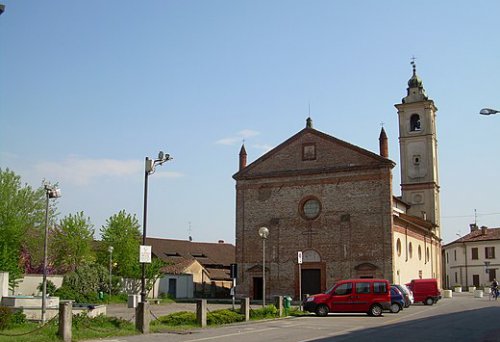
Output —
(478, 235)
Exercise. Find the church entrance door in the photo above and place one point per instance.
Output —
(257, 288)
(311, 281)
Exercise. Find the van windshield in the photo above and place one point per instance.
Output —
(329, 291)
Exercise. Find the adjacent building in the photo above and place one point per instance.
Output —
(471, 260)
(333, 202)
(193, 269)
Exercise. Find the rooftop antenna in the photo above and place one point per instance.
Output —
(475, 217)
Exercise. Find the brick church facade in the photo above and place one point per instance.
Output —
(334, 202)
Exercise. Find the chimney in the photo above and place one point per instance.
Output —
(221, 241)
(473, 227)
(383, 144)
(484, 230)
(243, 157)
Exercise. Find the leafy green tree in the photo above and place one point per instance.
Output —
(71, 242)
(122, 231)
(22, 210)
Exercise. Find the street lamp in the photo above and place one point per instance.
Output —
(263, 233)
(488, 111)
(149, 170)
(110, 250)
(50, 192)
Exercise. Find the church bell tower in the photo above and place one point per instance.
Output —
(418, 152)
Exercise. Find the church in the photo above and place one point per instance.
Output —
(330, 210)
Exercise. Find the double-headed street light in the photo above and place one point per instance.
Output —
(50, 192)
(149, 170)
(263, 233)
(488, 111)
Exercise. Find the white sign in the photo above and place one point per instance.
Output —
(145, 254)
(299, 257)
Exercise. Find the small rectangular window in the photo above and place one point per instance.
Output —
(447, 259)
(456, 277)
(455, 252)
(489, 252)
(475, 253)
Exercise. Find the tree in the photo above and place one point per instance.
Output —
(22, 209)
(122, 232)
(71, 242)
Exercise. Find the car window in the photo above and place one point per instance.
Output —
(379, 287)
(362, 287)
(344, 289)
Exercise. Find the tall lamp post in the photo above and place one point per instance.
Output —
(50, 192)
(110, 250)
(263, 233)
(488, 111)
(149, 170)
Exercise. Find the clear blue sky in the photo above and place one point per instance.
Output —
(88, 89)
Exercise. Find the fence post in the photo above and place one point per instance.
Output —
(65, 320)
(201, 312)
(278, 302)
(142, 317)
(245, 308)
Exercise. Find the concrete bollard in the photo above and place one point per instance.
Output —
(65, 320)
(142, 317)
(201, 312)
(278, 302)
(447, 294)
(487, 290)
(478, 293)
(245, 308)
(472, 289)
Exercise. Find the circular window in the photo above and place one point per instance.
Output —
(410, 250)
(398, 247)
(311, 208)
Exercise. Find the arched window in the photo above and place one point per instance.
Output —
(419, 253)
(398, 247)
(415, 123)
(427, 254)
(410, 250)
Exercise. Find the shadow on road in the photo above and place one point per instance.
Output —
(472, 325)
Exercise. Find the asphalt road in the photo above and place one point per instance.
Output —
(462, 318)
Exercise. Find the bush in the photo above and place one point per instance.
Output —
(5, 316)
(51, 288)
(10, 317)
(224, 316)
(179, 318)
(269, 311)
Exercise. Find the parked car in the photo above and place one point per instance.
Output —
(425, 290)
(407, 293)
(353, 295)
(397, 300)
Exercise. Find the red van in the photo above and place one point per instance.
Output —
(425, 290)
(353, 295)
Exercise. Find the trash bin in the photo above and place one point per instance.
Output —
(287, 303)
(132, 301)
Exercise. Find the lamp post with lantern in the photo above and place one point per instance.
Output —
(263, 233)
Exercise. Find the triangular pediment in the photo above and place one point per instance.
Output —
(311, 151)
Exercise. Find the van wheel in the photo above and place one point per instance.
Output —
(395, 308)
(322, 310)
(429, 301)
(375, 310)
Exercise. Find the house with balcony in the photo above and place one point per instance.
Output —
(472, 260)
